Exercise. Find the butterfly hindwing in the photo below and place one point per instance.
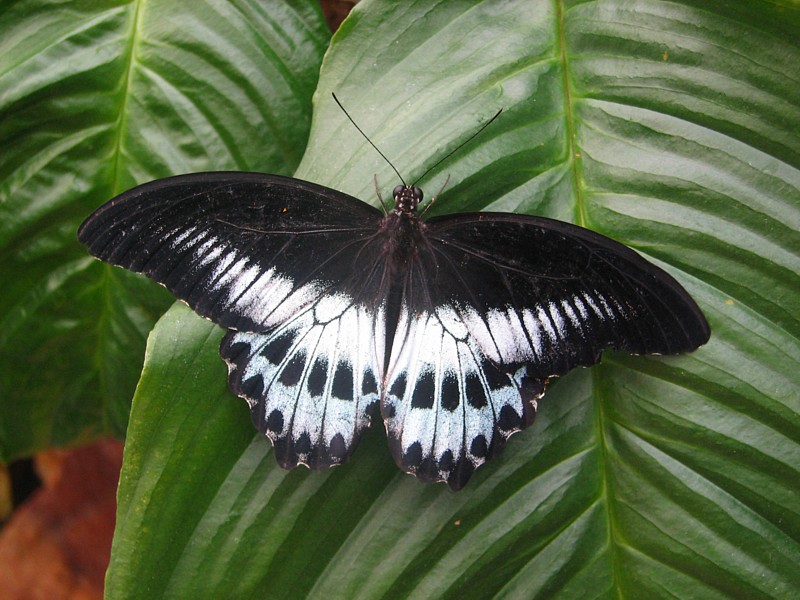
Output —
(448, 408)
(312, 381)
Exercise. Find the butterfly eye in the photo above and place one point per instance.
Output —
(417, 193)
(397, 190)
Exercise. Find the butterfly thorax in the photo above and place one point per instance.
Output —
(403, 229)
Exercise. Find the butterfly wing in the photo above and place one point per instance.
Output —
(312, 381)
(509, 302)
(575, 291)
(245, 250)
(294, 268)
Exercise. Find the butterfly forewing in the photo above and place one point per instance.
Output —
(244, 249)
(561, 293)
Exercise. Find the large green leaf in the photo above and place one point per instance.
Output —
(94, 97)
(671, 126)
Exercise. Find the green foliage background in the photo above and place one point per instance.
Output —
(670, 126)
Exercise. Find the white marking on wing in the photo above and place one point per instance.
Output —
(222, 266)
(297, 300)
(572, 316)
(372, 341)
(593, 305)
(260, 294)
(200, 251)
(520, 348)
(401, 352)
(451, 321)
(534, 328)
(242, 277)
(179, 239)
(547, 325)
(195, 240)
(209, 256)
(558, 320)
(576, 300)
(331, 306)
(501, 330)
(479, 332)
(606, 307)
(231, 275)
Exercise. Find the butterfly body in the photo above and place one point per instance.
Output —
(448, 328)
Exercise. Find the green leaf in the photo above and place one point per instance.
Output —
(95, 97)
(671, 126)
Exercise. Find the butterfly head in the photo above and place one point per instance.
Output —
(407, 199)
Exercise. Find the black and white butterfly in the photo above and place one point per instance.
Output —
(450, 326)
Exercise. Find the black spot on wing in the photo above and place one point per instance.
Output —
(338, 451)
(275, 422)
(422, 396)
(478, 447)
(398, 388)
(285, 453)
(495, 378)
(258, 417)
(389, 410)
(450, 393)
(368, 383)
(234, 351)
(317, 377)
(446, 462)
(428, 469)
(474, 391)
(412, 457)
(303, 443)
(509, 420)
(293, 371)
(276, 350)
(342, 387)
(252, 387)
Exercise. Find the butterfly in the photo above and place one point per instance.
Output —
(448, 327)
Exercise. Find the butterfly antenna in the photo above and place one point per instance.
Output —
(366, 137)
(457, 148)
